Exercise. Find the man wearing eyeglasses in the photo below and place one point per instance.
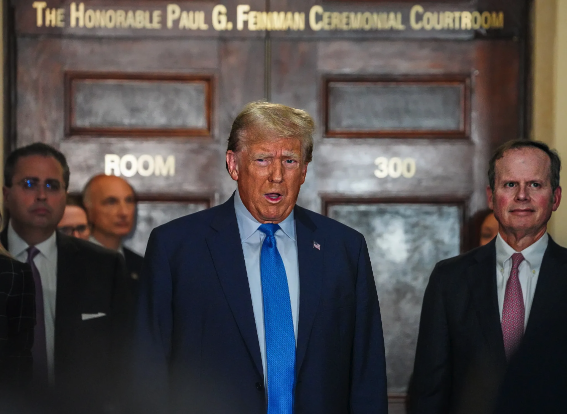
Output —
(74, 222)
(81, 289)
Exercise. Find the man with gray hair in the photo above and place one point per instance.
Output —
(258, 305)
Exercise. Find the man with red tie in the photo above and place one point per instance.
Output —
(498, 308)
(81, 293)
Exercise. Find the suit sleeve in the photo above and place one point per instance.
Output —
(368, 376)
(152, 331)
(430, 388)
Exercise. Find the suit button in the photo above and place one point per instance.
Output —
(259, 386)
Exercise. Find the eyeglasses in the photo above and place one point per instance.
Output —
(33, 184)
(70, 230)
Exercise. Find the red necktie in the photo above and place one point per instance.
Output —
(513, 311)
(39, 349)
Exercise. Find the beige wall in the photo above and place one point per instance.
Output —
(550, 91)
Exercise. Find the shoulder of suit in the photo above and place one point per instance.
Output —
(86, 247)
(465, 259)
(132, 254)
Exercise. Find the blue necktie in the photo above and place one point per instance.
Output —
(278, 323)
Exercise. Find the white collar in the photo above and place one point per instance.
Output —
(17, 245)
(533, 254)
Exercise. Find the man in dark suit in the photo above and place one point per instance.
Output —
(81, 295)
(259, 305)
(111, 206)
(493, 314)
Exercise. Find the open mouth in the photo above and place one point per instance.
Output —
(273, 197)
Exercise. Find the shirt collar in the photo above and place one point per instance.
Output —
(533, 254)
(17, 245)
(95, 241)
(247, 224)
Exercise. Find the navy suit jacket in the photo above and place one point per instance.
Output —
(460, 364)
(196, 345)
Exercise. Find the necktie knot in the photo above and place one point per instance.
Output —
(269, 229)
(517, 258)
(32, 253)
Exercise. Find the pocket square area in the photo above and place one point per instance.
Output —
(87, 316)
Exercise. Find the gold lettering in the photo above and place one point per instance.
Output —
(156, 17)
(355, 21)
(253, 21)
(299, 21)
(60, 18)
(497, 20)
(476, 20)
(39, 6)
(219, 17)
(120, 18)
(439, 20)
(486, 20)
(241, 15)
(427, 21)
(89, 19)
(50, 17)
(465, 20)
(110, 17)
(414, 23)
(139, 19)
(327, 20)
(448, 20)
(457, 16)
(345, 20)
(278, 20)
(173, 13)
(367, 21)
(77, 15)
(188, 21)
(335, 20)
(313, 23)
(130, 22)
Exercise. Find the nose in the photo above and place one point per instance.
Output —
(276, 173)
(522, 193)
(41, 193)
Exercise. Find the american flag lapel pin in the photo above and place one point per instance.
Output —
(316, 245)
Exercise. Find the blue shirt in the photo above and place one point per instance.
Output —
(252, 240)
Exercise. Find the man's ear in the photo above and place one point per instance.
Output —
(5, 192)
(232, 164)
(556, 198)
(489, 197)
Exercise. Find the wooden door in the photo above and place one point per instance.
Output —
(409, 100)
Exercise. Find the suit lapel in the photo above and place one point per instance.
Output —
(67, 300)
(310, 278)
(550, 289)
(482, 282)
(228, 258)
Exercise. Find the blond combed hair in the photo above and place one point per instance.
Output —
(261, 120)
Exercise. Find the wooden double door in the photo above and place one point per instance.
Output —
(406, 118)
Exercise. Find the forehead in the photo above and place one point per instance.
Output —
(75, 212)
(38, 166)
(273, 144)
(110, 186)
(528, 163)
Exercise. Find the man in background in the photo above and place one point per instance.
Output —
(493, 328)
(74, 221)
(111, 208)
(81, 296)
(259, 305)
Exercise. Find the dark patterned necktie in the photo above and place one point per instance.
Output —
(513, 311)
(278, 323)
(39, 349)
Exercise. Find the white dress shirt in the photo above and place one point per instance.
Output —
(252, 240)
(46, 263)
(528, 270)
